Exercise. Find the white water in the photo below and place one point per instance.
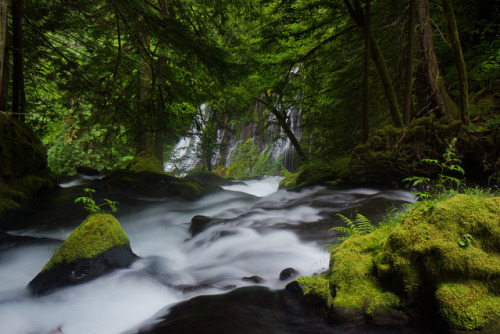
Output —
(170, 259)
(256, 237)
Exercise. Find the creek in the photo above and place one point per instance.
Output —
(260, 231)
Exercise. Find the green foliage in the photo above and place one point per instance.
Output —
(90, 204)
(450, 164)
(247, 160)
(360, 226)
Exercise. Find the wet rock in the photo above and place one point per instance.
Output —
(199, 223)
(391, 318)
(254, 279)
(310, 304)
(288, 273)
(198, 287)
(95, 248)
(87, 171)
(348, 317)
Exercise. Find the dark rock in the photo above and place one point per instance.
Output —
(311, 305)
(82, 270)
(87, 171)
(199, 223)
(348, 317)
(198, 287)
(391, 318)
(229, 287)
(254, 279)
(288, 273)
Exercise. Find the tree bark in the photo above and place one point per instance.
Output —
(4, 56)
(409, 64)
(18, 94)
(366, 77)
(378, 57)
(463, 97)
(440, 101)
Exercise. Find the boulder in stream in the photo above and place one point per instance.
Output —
(93, 249)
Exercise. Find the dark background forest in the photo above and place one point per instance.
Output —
(103, 81)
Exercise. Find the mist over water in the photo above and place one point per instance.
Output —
(259, 230)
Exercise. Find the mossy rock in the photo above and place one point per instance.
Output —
(317, 174)
(430, 247)
(467, 305)
(393, 154)
(94, 248)
(23, 168)
(441, 254)
(352, 268)
(145, 162)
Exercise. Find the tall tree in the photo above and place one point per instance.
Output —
(441, 103)
(18, 92)
(358, 16)
(463, 94)
(4, 55)
(409, 63)
(366, 78)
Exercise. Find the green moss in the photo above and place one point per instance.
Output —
(352, 275)
(467, 305)
(98, 233)
(318, 174)
(425, 249)
(146, 162)
(419, 259)
(318, 286)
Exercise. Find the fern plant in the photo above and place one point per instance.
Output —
(91, 205)
(359, 226)
(450, 164)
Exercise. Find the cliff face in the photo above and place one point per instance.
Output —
(23, 168)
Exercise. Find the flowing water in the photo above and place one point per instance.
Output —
(260, 231)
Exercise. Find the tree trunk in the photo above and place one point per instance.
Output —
(440, 101)
(463, 97)
(284, 125)
(366, 77)
(378, 57)
(409, 64)
(4, 56)
(18, 94)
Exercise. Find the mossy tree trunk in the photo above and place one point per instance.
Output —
(409, 64)
(378, 57)
(453, 37)
(440, 102)
(281, 116)
(366, 77)
(4, 56)
(18, 94)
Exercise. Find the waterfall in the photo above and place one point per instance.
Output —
(264, 131)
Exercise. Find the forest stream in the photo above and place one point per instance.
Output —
(258, 230)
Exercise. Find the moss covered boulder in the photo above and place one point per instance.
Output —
(23, 168)
(443, 259)
(94, 248)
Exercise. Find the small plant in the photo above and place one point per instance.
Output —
(360, 226)
(465, 241)
(450, 164)
(90, 204)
